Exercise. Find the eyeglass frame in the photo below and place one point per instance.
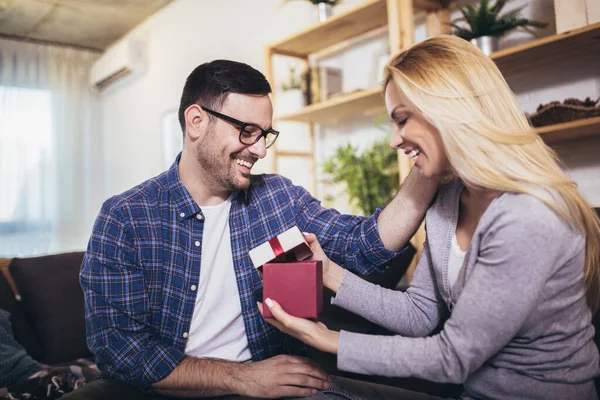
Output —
(243, 126)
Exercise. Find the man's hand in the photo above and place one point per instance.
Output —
(282, 376)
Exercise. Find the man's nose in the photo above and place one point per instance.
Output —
(259, 149)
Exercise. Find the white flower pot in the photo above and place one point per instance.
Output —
(289, 101)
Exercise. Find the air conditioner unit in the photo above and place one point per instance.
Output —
(124, 59)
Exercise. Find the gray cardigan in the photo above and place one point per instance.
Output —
(517, 325)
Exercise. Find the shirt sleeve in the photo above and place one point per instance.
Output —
(117, 306)
(515, 260)
(348, 240)
(416, 312)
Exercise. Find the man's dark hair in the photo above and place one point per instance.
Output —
(210, 83)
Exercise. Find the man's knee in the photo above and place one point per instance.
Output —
(107, 389)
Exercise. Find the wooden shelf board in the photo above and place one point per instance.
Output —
(570, 130)
(285, 153)
(333, 110)
(585, 40)
(361, 19)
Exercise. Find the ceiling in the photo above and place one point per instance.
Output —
(94, 24)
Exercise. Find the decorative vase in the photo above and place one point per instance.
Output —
(290, 101)
(487, 44)
(325, 10)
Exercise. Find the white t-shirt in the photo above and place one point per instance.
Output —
(217, 329)
(456, 261)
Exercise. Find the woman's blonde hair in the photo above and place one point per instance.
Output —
(487, 138)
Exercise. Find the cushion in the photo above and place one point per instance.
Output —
(53, 304)
(21, 329)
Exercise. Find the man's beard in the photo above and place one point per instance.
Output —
(219, 167)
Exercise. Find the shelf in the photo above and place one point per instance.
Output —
(354, 22)
(550, 49)
(356, 103)
(570, 130)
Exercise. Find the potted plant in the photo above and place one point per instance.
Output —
(324, 7)
(371, 177)
(484, 24)
(292, 96)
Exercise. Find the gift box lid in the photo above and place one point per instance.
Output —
(287, 246)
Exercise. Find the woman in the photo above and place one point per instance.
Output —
(511, 261)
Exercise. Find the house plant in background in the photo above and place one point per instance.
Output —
(291, 97)
(371, 177)
(324, 7)
(371, 180)
(484, 24)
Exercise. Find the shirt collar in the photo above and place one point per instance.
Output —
(184, 204)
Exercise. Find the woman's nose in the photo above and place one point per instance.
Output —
(397, 139)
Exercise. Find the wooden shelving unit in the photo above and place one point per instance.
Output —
(361, 102)
(398, 16)
(575, 43)
(347, 25)
(570, 130)
(361, 19)
(510, 61)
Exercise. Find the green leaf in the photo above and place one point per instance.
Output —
(513, 13)
(497, 7)
(370, 177)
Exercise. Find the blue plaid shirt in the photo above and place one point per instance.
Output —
(143, 258)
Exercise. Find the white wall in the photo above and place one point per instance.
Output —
(189, 32)
(181, 36)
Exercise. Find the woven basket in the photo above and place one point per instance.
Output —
(559, 113)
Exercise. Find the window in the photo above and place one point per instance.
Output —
(26, 152)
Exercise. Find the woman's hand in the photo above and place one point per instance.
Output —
(314, 334)
(318, 253)
(333, 274)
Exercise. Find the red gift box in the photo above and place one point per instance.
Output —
(296, 286)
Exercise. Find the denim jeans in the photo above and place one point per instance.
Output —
(340, 389)
(349, 389)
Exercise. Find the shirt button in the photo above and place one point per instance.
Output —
(182, 215)
(193, 288)
(185, 335)
(197, 243)
(199, 216)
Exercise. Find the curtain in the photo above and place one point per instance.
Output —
(50, 172)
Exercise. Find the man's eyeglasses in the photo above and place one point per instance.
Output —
(249, 133)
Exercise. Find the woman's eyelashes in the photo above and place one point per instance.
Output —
(400, 122)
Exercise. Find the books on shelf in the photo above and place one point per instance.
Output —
(321, 83)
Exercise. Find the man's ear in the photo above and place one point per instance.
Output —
(194, 118)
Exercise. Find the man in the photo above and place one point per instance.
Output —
(170, 289)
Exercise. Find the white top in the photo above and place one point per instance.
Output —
(455, 261)
(217, 329)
